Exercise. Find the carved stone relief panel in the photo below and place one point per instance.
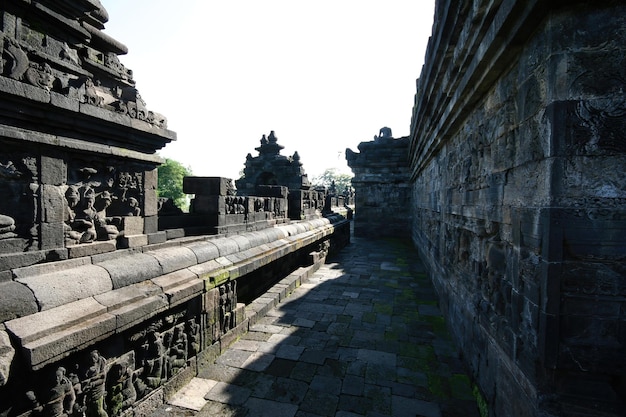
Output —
(19, 191)
(98, 196)
(107, 380)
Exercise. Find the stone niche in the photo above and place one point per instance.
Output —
(77, 159)
(270, 168)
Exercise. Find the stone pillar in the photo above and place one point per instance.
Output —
(382, 190)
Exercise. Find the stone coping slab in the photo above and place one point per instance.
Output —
(81, 303)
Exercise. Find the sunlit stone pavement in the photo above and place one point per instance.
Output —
(362, 337)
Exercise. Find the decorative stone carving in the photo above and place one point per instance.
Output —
(61, 398)
(7, 226)
(17, 61)
(94, 386)
(40, 75)
(228, 304)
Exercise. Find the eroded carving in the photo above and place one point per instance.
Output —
(17, 61)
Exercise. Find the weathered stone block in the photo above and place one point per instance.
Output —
(51, 235)
(134, 303)
(158, 237)
(150, 224)
(16, 300)
(132, 241)
(175, 233)
(204, 251)
(65, 286)
(174, 258)
(207, 186)
(53, 334)
(53, 171)
(130, 270)
(133, 225)
(90, 249)
(180, 286)
(226, 246)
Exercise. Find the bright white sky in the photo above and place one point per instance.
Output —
(325, 75)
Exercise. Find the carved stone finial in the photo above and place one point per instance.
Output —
(385, 132)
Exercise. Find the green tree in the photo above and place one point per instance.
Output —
(170, 183)
(332, 174)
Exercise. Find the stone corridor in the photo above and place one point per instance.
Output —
(363, 336)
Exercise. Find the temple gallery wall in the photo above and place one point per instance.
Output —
(514, 175)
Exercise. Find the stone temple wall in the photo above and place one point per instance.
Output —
(518, 151)
(382, 189)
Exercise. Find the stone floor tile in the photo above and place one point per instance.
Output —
(321, 403)
(288, 390)
(233, 357)
(267, 408)
(377, 357)
(258, 336)
(289, 352)
(219, 372)
(300, 322)
(267, 328)
(280, 367)
(342, 413)
(284, 339)
(316, 356)
(303, 371)
(410, 407)
(245, 344)
(258, 361)
(228, 394)
(352, 385)
(192, 395)
(214, 408)
(329, 384)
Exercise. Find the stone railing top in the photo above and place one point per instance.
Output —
(76, 303)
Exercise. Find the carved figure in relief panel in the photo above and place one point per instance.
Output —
(94, 386)
(121, 393)
(153, 361)
(193, 332)
(16, 61)
(62, 397)
(177, 350)
(224, 313)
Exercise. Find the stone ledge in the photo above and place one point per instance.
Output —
(136, 289)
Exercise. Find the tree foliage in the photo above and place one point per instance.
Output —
(332, 174)
(170, 183)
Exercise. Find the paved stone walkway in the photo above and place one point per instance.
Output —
(362, 337)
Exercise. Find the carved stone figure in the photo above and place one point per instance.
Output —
(153, 360)
(94, 386)
(177, 352)
(61, 398)
(121, 393)
(7, 226)
(193, 332)
(17, 59)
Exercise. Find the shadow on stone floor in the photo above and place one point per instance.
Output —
(362, 337)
